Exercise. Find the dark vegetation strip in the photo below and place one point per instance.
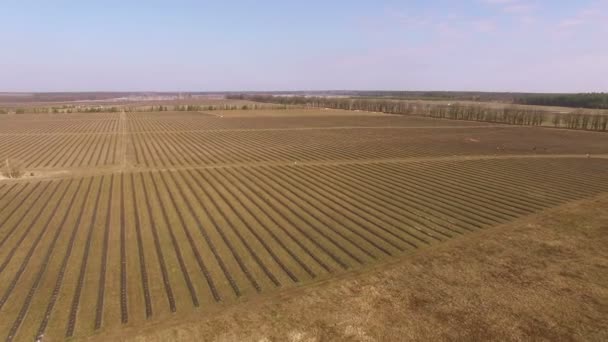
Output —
(582, 100)
(140, 248)
(104, 260)
(83, 265)
(124, 311)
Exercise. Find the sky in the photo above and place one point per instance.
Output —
(484, 45)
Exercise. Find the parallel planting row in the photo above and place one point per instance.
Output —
(86, 255)
(182, 139)
(171, 122)
(61, 150)
(164, 149)
(59, 126)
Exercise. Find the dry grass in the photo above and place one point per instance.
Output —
(540, 278)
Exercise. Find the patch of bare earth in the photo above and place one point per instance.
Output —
(540, 278)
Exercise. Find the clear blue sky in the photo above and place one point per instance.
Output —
(494, 45)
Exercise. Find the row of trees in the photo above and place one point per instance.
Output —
(581, 120)
(226, 106)
(508, 115)
(59, 110)
(514, 115)
(511, 115)
(160, 108)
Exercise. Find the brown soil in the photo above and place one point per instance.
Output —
(539, 278)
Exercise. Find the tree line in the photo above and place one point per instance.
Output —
(130, 109)
(514, 115)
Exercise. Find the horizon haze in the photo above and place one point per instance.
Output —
(476, 45)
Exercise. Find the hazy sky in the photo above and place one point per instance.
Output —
(494, 45)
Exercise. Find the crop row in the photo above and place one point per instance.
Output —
(29, 117)
(169, 123)
(83, 255)
(196, 140)
(155, 149)
(58, 126)
(76, 150)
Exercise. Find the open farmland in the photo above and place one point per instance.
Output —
(299, 112)
(196, 212)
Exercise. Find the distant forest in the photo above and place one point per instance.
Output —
(588, 100)
(583, 100)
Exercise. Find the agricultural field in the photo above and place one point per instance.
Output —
(166, 215)
(299, 112)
